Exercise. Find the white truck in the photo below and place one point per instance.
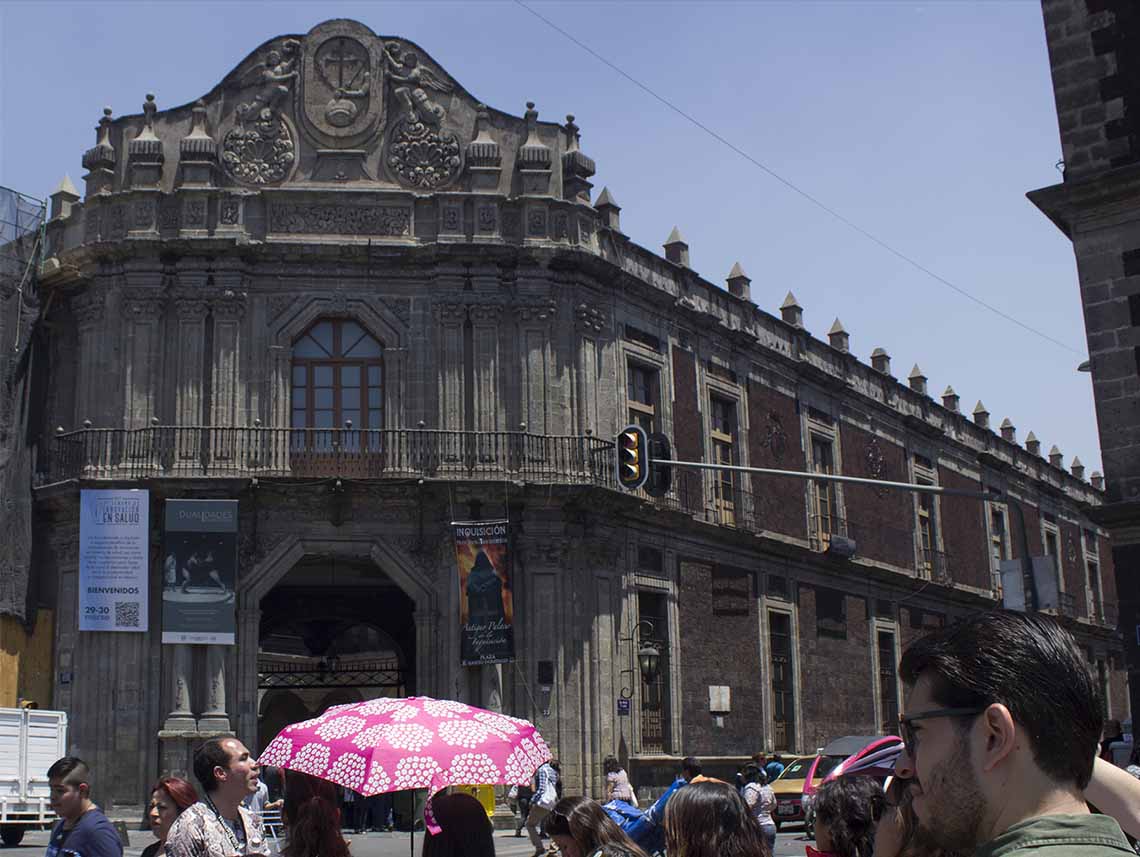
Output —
(30, 741)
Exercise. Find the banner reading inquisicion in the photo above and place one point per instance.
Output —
(486, 602)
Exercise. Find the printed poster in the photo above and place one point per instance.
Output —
(113, 550)
(199, 572)
(486, 602)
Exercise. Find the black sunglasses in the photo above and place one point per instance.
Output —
(905, 720)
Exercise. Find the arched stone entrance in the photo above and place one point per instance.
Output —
(382, 605)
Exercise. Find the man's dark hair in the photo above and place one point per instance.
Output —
(71, 770)
(691, 765)
(1029, 664)
(209, 756)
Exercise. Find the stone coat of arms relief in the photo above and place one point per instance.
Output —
(342, 87)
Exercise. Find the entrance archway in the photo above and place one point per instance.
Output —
(332, 631)
(351, 619)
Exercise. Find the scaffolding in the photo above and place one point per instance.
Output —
(21, 243)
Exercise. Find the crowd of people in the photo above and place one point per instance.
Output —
(1001, 756)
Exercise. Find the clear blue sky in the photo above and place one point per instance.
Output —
(923, 122)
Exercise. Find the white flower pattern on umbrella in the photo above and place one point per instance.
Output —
(416, 772)
(473, 768)
(445, 708)
(378, 780)
(408, 736)
(278, 751)
(462, 733)
(348, 770)
(499, 723)
(311, 759)
(341, 727)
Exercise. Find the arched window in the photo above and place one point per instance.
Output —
(338, 375)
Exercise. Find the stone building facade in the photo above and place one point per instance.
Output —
(1094, 55)
(340, 291)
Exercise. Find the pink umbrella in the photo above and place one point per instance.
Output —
(386, 745)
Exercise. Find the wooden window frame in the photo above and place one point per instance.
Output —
(637, 409)
(336, 361)
(724, 499)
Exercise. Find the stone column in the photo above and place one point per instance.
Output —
(491, 681)
(180, 718)
(215, 718)
(535, 321)
(449, 332)
(488, 403)
(227, 396)
(142, 311)
(88, 311)
(428, 679)
(187, 356)
(248, 631)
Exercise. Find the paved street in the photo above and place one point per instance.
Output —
(789, 844)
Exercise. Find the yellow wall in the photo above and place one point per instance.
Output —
(25, 660)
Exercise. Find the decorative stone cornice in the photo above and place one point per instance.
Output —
(485, 313)
(229, 307)
(543, 311)
(589, 318)
(483, 152)
(191, 308)
(143, 304)
(449, 312)
(198, 146)
(88, 308)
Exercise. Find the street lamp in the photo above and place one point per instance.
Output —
(648, 657)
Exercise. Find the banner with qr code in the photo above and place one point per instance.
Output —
(199, 572)
(113, 552)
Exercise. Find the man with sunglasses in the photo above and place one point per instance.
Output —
(1000, 732)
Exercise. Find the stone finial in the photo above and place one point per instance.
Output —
(99, 161)
(63, 198)
(484, 157)
(534, 156)
(676, 248)
(981, 415)
(576, 166)
(1056, 458)
(144, 152)
(1008, 430)
(881, 361)
(1032, 444)
(838, 337)
(610, 211)
(1076, 468)
(739, 284)
(917, 380)
(791, 311)
(1097, 480)
(950, 399)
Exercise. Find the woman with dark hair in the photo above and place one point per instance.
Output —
(466, 828)
(168, 798)
(709, 819)
(761, 801)
(581, 828)
(847, 810)
(617, 781)
(311, 817)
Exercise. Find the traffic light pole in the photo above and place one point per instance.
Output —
(991, 496)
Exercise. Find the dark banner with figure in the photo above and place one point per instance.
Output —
(486, 602)
(199, 571)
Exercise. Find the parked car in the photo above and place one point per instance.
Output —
(860, 755)
(789, 787)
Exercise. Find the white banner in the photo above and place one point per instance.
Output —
(113, 554)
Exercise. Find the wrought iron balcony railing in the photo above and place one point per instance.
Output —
(204, 451)
(1105, 613)
(823, 527)
(934, 565)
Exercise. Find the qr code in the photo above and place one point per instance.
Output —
(126, 614)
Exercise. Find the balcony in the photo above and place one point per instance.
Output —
(197, 452)
(823, 527)
(934, 565)
(1107, 613)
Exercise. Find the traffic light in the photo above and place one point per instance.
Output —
(660, 475)
(632, 458)
(637, 454)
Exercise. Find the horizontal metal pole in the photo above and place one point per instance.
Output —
(830, 477)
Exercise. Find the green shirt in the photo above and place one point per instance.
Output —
(1069, 836)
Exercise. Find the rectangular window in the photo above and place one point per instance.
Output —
(831, 614)
(999, 539)
(777, 586)
(825, 502)
(783, 681)
(653, 607)
(1096, 602)
(722, 436)
(888, 684)
(650, 559)
(643, 395)
(927, 535)
(1053, 549)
